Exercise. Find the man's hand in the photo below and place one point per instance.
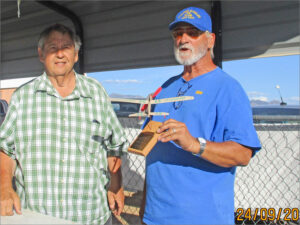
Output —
(8, 197)
(9, 200)
(172, 130)
(115, 194)
(225, 154)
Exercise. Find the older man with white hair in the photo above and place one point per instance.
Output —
(63, 133)
(190, 172)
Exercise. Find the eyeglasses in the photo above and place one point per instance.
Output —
(181, 92)
(191, 32)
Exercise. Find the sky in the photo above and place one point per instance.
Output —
(259, 78)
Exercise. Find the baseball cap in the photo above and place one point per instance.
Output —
(195, 16)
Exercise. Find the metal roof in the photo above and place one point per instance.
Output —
(134, 34)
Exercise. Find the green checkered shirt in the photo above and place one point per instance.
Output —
(62, 145)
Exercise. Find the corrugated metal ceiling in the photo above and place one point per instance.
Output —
(134, 34)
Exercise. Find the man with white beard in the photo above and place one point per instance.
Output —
(190, 172)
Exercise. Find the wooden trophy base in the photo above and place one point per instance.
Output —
(146, 140)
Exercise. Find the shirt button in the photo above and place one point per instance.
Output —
(62, 180)
(63, 160)
(64, 139)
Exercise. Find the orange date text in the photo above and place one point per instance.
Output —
(267, 214)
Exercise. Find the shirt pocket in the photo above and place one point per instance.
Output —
(91, 143)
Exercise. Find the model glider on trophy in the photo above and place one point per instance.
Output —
(146, 140)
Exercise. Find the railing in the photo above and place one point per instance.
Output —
(266, 190)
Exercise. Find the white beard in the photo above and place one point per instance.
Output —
(182, 57)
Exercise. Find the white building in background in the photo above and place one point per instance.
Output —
(7, 87)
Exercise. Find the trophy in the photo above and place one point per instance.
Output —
(146, 140)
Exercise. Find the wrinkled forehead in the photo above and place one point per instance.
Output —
(183, 25)
(56, 37)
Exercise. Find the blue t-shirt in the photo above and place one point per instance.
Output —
(183, 188)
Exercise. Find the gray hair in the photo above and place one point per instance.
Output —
(61, 29)
(211, 49)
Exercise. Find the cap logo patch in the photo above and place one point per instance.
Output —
(199, 92)
(189, 14)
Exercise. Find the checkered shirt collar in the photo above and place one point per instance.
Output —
(81, 90)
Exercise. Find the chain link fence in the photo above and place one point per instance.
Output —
(266, 191)
(270, 184)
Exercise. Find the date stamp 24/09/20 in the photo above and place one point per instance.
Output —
(267, 214)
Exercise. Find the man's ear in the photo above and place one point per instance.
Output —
(76, 55)
(41, 55)
(211, 40)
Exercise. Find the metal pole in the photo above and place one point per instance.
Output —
(216, 14)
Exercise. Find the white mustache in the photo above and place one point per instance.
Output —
(188, 46)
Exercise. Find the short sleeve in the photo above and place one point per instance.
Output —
(7, 129)
(117, 143)
(234, 117)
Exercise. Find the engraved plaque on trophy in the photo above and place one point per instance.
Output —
(146, 140)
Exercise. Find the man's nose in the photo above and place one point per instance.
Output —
(184, 39)
(60, 53)
(185, 36)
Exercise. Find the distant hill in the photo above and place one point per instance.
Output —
(114, 95)
(260, 102)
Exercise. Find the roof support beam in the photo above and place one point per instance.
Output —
(77, 24)
(216, 14)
